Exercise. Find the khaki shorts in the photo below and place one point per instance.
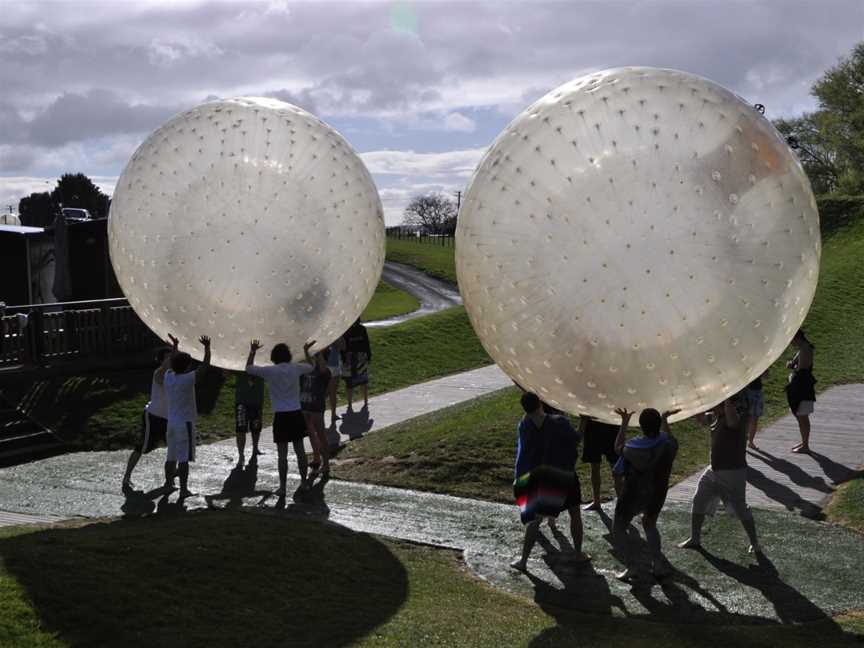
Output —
(730, 486)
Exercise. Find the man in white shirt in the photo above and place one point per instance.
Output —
(182, 413)
(155, 419)
(289, 425)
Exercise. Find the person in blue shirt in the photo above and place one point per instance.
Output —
(545, 476)
(645, 466)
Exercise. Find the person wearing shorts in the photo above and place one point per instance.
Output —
(248, 405)
(546, 482)
(313, 396)
(726, 478)
(358, 354)
(289, 425)
(754, 401)
(801, 390)
(182, 413)
(645, 466)
(599, 444)
(154, 419)
(334, 364)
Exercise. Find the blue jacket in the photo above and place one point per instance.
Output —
(555, 444)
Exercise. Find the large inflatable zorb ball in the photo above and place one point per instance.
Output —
(637, 238)
(246, 218)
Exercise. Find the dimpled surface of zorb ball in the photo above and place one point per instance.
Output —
(246, 218)
(637, 238)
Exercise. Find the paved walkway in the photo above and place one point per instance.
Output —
(433, 294)
(781, 480)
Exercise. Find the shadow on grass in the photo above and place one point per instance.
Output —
(209, 578)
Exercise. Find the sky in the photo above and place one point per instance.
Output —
(419, 89)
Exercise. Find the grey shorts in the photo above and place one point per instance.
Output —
(730, 486)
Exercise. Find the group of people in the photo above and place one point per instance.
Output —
(546, 483)
(298, 395)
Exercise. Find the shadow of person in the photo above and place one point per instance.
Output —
(356, 423)
(795, 473)
(789, 604)
(836, 472)
(782, 494)
(240, 483)
(138, 503)
(216, 562)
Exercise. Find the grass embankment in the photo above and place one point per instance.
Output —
(236, 578)
(847, 504)
(388, 302)
(468, 449)
(435, 260)
(102, 410)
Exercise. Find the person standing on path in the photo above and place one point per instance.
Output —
(182, 414)
(645, 465)
(313, 396)
(726, 478)
(154, 420)
(248, 408)
(801, 390)
(546, 481)
(334, 364)
(754, 400)
(599, 444)
(358, 353)
(289, 426)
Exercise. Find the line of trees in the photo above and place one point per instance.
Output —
(72, 190)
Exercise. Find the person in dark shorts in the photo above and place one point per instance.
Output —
(355, 368)
(726, 478)
(599, 444)
(154, 420)
(545, 476)
(754, 400)
(801, 390)
(334, 363)
(248, 406)
(645, 465)
(313, 397)
(289, 426)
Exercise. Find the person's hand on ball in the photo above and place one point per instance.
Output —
(174, 341)
(669, 413)
(254, 345)
(205, 341)
(309, 345)
(624, 413)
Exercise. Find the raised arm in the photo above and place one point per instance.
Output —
(205, 364)
(254, 345)
(664, 420)
(306, 353)
(621, 439)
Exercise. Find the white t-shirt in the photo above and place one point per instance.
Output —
(283, 380)
(158, 405)
(180, 390)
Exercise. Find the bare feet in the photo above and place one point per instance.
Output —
(801, 449)
(627, 575)
(593, 506)
(690, 543)
(519, 565)
(756, 550)
(752, 446)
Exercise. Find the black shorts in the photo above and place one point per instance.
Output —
(600, 442)
(288, 426)
(247, 418)
(153, 432)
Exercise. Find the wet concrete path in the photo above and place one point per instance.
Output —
(724, 586)
(433, 294)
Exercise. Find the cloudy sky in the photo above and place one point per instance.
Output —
(420, 89)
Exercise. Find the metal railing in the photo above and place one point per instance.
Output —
(40, 334)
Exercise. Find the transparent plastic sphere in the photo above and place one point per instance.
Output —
(638, 238)
(246, 218)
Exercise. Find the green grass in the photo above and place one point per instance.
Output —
(847, 504)
(468, 450)
(102, 410)
(436, 260)
(388, 302)
(236, 578)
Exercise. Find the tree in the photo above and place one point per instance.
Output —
(77, 190)
(433, 213)
(37, 210)
(830, 140)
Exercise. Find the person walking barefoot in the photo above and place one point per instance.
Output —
(313, 396)
(801, 390)
(248, 406)
(599, 444)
